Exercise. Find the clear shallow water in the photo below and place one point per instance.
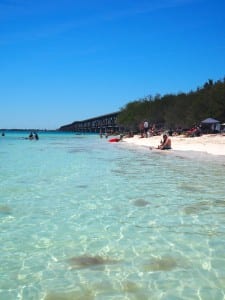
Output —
(81, 218)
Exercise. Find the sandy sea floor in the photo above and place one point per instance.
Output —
(82, 218)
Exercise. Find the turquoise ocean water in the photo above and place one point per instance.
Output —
(81, 218)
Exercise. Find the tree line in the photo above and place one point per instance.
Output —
(182, 110)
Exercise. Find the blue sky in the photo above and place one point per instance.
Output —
(68, 60)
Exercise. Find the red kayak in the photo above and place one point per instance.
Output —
(113, 140)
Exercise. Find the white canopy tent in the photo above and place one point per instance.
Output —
(212, 124)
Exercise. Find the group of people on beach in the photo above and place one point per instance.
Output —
(146, 131)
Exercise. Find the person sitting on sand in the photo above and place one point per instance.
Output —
(165, 143)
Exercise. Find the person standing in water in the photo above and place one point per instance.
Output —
(36, 136)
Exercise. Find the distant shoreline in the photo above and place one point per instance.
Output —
(39, 130)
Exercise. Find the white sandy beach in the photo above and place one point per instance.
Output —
(210, 143)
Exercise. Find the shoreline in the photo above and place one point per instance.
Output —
(213, 144)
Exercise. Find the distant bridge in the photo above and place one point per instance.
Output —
(105, 123)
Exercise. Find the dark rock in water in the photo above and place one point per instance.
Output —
(82, 186)
(78, 150)
(219, 203)
(141, 203)
(197, 208)
(130, 287)
(4, 209)
(161, 264)
(76, 295)
(86, 261)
